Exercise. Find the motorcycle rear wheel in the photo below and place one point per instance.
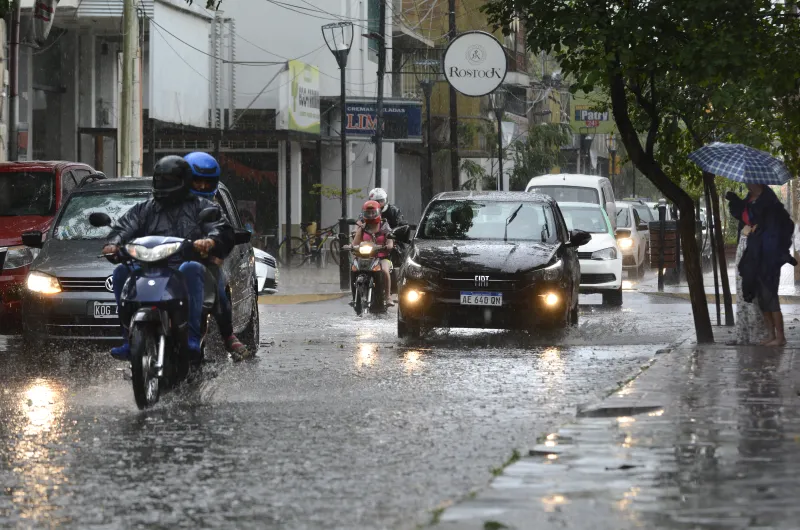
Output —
(144, 356)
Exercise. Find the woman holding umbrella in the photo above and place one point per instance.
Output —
(765, 231)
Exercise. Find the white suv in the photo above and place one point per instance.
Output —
(600, 258)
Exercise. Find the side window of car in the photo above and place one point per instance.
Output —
(81, 174)
(561, 226)
(68, 184)
(636, 218)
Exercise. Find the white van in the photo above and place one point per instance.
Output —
(577, 188)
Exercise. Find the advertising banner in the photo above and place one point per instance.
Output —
(299, 99)
(402, 121)
(592, 113)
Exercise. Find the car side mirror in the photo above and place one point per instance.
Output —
(34, 239)
(241, 237)
(578, 238)
(99, 219)
(643, 227)
(210, 215)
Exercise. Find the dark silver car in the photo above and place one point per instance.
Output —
(69, 291)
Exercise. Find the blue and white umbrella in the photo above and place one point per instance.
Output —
(741, 163)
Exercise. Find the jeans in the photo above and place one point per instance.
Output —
(224, 310)
(194, 274)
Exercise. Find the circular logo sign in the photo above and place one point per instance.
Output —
(110, 284)
(475, 63)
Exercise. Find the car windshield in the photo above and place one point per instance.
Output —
(74, 222)
(623, 217)
(588, 219)
(24, 193)
(486, 220)
(568, 193)
(645, 214)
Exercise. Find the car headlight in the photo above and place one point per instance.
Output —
(40, 282)
(417, 272)
(625, 243)
(20, 256)
(150, 255)
(605, 254)
(550, 273)
(365, 250)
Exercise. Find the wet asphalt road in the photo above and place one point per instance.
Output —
(336, 425)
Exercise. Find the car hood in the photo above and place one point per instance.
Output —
(599, 242)
(73, 259)
(495, 257)
(12, 227)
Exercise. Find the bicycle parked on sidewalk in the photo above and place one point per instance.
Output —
(313, 248)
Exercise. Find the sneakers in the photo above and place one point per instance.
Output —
(122, 353)
(238, 351)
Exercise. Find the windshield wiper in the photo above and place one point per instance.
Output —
(510, 219)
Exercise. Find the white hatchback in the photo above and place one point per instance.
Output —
(600, 258)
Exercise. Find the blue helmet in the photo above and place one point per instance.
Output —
(204, 167)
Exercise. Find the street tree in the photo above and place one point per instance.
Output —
(538, 154)
(642, 54)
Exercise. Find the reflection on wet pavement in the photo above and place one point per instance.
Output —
(336, 425)
(720, 453)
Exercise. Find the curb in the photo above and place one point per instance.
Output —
(784, 299)
(289, 299)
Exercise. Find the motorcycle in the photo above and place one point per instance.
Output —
(154, 308)
(366, 266)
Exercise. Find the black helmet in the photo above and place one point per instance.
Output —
(172, 179)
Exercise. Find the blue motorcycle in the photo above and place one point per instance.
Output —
(154, 308)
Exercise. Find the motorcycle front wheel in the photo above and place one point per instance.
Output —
(144, 356)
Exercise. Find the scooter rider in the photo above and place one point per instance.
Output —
(376, 229)
(173, 211)
(205, 182)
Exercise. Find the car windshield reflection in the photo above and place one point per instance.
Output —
(486, 220)
(74, 222)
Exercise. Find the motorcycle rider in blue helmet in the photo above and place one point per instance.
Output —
(205, 182)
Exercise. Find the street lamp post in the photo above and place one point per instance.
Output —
(498, 101)
(427, 73)
(339, 38)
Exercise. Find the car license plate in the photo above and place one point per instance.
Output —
(482, 299)
(105, 310)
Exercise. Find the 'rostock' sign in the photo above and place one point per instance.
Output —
(475, 63)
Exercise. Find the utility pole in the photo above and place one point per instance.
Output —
(455, 177)
(130, 24)
(378, 138)
(13, 82)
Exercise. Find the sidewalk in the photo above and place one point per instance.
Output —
(707, 437)
(788, 291)
(306, 284)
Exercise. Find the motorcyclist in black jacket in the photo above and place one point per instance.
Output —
(389, 212)
(173, 211)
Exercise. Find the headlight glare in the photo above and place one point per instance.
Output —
(365, 250)
(39, 282)
(150, 255)
(605, 254)
(18, 257)
(625, 243)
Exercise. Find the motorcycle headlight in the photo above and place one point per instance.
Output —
(18, 257)
(605, 254)
(40, 282)
(365, 250)
(150, 255)
(417, 272)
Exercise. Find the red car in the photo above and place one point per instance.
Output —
(30, 195)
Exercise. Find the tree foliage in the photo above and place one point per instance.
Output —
(538, 154)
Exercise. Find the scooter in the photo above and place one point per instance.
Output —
(366, 265)
(154, 309)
